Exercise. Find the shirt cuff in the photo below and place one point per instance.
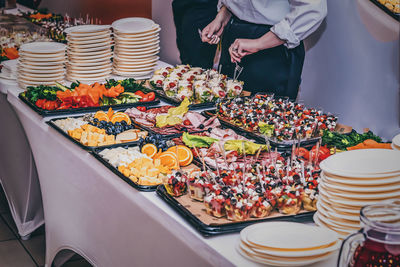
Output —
(220, 5)
(284, 32)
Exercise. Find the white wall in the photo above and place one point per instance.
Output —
(347, 71)
(162, 14)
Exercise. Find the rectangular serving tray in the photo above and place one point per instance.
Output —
(95, 153)
(72, 111)
(281, 146)
(212, 230)
(396, 16)
(90, 148)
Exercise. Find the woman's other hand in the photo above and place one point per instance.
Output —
(212, 32)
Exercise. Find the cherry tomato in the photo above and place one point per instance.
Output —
(139, 93)
(151, 96)
(141, 108)
(187, 122)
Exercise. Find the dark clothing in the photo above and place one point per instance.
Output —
(276, 70)
(189, 17)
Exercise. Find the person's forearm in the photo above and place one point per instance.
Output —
(223, 16)
(269, 40)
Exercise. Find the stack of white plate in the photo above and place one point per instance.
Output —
(351, 180)
(287, 243)
(41, 63)
(89, 52)
(136, 47)
(396, 142)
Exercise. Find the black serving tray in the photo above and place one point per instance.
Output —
(71, 111)
(95, 153)
(164, 136)
(173, 101)
(90, 148)
(308, 143)
(209, 230)
(396, 16)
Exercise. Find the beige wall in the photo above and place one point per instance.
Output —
(162, 14)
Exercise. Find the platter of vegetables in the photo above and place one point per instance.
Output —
(353, 140)
(80, 97)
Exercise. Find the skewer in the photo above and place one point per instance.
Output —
(201, 158)
(177, 157)
(317, 153)
(216, 165)
(244, 160)
(257, 155)
(222, 148)
(303, 176)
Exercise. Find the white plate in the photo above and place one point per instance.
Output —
(84, 38)
(139, 46)
(141, 40)
(90, 79)
(90, 61)
(288, 235)
(136, 55)
(72, 46)
(54, 65)
(40, 80)
(90, 54)
(342, 233)
(133, 25)
(104, 40)
(47, 67)
(86, 75)
(82, 29)
(73, 72)
(350, 221)
(86, 50)
(123, 50)
(363, 195)
(39, 71)
(42, 47)
(86, 64)
(89, 34)
(361, 182)
(258, 259)
(301, 253)
(40, 75)
(39, 59)
(153, 31)
(136, 66)
(50, 55)
(360, 189)
(396, 140)
(362, 162)
(137, 60)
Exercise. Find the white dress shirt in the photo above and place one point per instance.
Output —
(292, 20)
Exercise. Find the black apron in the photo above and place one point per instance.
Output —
(275, 70)
(189, 17)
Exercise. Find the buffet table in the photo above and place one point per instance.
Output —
(91, 211)
(18, 175)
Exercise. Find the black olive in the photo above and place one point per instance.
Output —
(201, 126)
(233, 201)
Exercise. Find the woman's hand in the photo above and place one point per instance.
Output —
(243, 47)
(213, 31)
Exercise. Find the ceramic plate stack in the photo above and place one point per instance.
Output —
(89, 52)
(136, 47)
(351, 180)
(287, 243)
(396, 142)
(41, 63)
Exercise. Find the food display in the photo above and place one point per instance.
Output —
(341, 142)
(100, 129)
(169, 120)
(197, 84)
(278, 119)
(80, 95)
(242, 181)
(151, 163)
(392, 6)
(11, 40)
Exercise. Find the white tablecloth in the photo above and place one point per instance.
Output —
(91, 211)
(18, 175)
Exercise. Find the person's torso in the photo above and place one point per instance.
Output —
(267, 12)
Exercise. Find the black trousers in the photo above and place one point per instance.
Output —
(276, 70)
(189, 16)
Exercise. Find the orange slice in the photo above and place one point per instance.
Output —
(150, 150)
(168, 159)
(101, 116)
(110, 113)
(184, 153)
(120, 116)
